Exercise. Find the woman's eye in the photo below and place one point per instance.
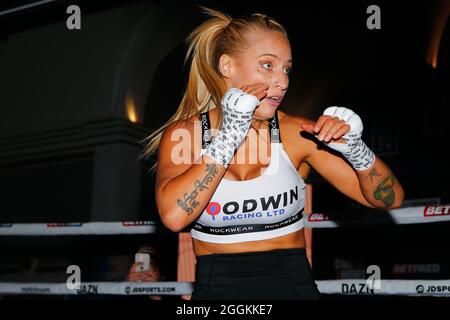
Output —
(287, 70)
(266, 65)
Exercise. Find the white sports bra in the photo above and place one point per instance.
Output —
(268, 206)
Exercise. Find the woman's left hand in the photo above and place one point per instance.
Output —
(334, 124)
(341, 130)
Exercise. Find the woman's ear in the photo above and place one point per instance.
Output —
(226, 66)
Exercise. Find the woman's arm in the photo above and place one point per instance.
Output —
(183, 188)
(374, 186)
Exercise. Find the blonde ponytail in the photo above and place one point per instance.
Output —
(218, 35)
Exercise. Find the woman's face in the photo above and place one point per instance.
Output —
(266, 58)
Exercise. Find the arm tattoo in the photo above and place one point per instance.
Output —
(189, 202)
(372, 174)
(385, 191)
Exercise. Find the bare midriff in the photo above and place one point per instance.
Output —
(289, 241)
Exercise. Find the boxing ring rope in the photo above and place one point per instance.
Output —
(410, 215)
(434, 288)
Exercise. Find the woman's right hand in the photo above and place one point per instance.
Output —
(259, 90)
(246, 98)
(238, 106)
(180, 195)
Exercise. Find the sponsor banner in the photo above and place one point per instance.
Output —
(416, 268)
(439, 288)
(95, 288)
(410, 215)
(64, 225)
(387, 287)
(89, 228)
(131, 224)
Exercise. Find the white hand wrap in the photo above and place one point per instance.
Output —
(355, 150)
(237, 113)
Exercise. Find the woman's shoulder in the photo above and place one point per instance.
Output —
(291, 122)
(184, 133)
(180, 124)
(294, 139)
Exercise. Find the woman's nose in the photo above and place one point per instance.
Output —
(279, 83)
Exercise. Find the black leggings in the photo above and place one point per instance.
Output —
(276, 274)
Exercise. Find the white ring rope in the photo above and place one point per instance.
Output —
(78, 228)
(411, 215)
(436, 288)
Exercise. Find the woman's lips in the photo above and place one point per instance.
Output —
(274, 100)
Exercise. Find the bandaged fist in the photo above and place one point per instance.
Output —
(341, 129)
(238, 106)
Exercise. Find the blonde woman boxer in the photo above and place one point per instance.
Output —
(246, 214)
